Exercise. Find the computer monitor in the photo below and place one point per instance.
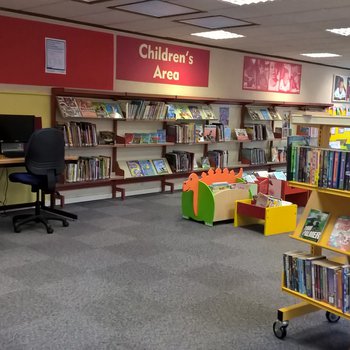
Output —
(16, 128)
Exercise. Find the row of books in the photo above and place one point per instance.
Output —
(190, 111)
(218, 158)
(144, 110)
(138, 138)
(259, 132)
(253, 156)
(320, 167)
(194, 133)
(263, 113)
(88, 169)
(147, 167)
(71, 107)
(316, 223)
(180, 161)
(318, 278)
(79, 134)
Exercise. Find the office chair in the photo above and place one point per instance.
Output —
(44, 162)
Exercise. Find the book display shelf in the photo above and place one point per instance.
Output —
(107, 133)
(321, 282)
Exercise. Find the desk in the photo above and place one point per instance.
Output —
(8, 162)
(15, 162)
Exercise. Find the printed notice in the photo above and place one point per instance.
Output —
(55, 52)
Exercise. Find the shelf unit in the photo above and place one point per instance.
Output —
(334, 201)
(115, 181)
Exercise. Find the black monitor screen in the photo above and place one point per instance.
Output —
(16, 128)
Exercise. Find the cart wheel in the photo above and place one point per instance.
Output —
(332, 318)
(280, 329)
(49, 229)
(65, 223)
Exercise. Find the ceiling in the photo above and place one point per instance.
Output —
(284, 28)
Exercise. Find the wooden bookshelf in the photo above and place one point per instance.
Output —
(159, 123)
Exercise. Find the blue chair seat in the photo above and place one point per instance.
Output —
(28, 179)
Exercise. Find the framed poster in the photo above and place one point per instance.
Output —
(260, 74)
(341, 87)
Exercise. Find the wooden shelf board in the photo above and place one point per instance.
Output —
(135, 145)
(321, 245)
(317, 120)
(331, 191)
(320, 304)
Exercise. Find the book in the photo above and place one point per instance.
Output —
(113, 110)
(195, 112)
(147, 168)
(210, 133)
(106, 138)
(227, 133)
(207, 112)
(340, 235)
(87, 108)
(315, 224)
(160, 166)
(68, 107)
(199, 133)
(182, 111)
(134, 168)
(241, 134)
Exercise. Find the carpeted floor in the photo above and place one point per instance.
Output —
(134, 275)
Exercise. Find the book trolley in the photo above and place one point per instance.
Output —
(337, 203)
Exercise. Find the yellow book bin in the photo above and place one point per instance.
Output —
(276, 220)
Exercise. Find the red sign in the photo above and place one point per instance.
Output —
(154, 62)
(271, 76)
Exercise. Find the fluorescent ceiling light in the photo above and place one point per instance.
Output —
(340, 31)
(320, 54)
(155, 8)
(245, 2)
(218, 34)
(216, 22)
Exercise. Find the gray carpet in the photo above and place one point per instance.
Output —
(134, 275)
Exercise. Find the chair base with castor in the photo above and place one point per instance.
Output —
(41, 216)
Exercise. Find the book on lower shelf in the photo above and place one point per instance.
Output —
(134, 168)
(241, 134)
(161, 166)
(314, 226)
(340, 235)
(147, 167)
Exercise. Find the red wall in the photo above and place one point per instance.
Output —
(22, 55)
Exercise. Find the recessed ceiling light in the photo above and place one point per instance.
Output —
(245, 2)
(215, 22)
(155, 8)
(218, 34)
(320, 54)
(340, 31)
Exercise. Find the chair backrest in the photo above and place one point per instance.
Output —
(45, 154)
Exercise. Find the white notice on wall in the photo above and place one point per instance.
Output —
(55, 56)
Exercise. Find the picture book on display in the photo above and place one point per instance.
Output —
(241, 134)
(68, 107)
(160, 166)
(340, 236)
(147, 168)
(314, 225)
(134, 168)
